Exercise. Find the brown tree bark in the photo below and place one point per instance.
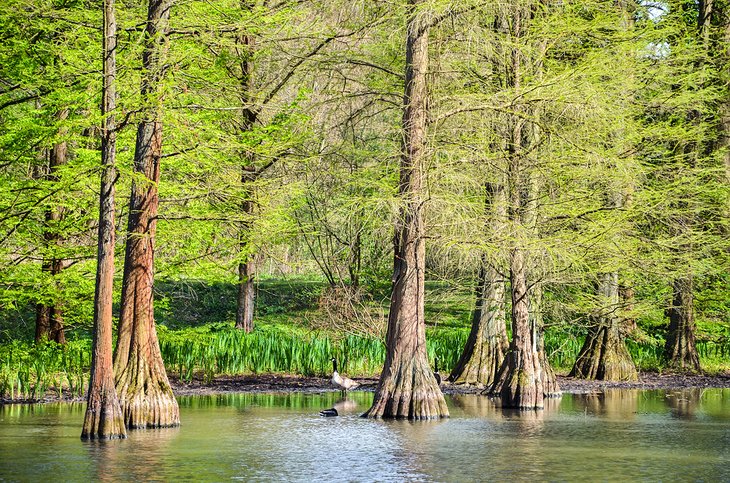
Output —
(520, 380)
(103, 418)
(487, 343)
(407, 387)
(49, 318)
(604, 355)
(550, 385)
(142, 384)
(680, 350)
(246, 45)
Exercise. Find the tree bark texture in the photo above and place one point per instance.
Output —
(407, 387)
(520, 380)
(537, 326)
(142, 384)
(104, 418)
(604, 355)
(49, 318)
(680, 350)
(246, 44)
(487, 343)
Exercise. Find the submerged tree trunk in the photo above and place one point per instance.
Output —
(103, 418)
(49, 318)
(520, 380)
(144, 390)
(604, 355)
(407, 387)
(680, 350)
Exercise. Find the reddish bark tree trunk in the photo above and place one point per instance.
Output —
(407, 387)
(144, 390)
(103, 418)
(604, 355)
(49, 318)
(680, 350)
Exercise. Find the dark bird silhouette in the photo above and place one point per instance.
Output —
(436, 370)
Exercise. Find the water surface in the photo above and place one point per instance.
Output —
(619, 435)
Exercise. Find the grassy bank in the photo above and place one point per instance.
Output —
(286, 340)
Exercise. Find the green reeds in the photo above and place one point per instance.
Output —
(29, 371)
(214, 350)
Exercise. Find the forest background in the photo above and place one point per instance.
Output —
(279, 176)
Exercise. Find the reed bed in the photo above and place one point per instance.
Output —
(215, 350)
(29, 371)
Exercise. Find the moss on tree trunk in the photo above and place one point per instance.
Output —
(484, 351)
(604, 355)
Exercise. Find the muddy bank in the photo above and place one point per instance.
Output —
(261, 383)
(284, 383)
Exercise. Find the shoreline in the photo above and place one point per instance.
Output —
(282, 383)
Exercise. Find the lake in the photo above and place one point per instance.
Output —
(617, 435)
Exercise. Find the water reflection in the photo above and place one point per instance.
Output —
(684, 403)
(611, 403)
(617, 435)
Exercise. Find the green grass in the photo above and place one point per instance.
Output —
(29, 371)
(218, 349)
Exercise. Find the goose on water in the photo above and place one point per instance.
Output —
(342, 382)
(343, 406)
(328, 413)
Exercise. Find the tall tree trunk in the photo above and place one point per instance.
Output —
(144, 390)
(604, 355)
(550, 385)
(680, 350)
(520, 380)
(49, 318)
(487, 342)
(246, 269)
(407, 387)
(104, 418)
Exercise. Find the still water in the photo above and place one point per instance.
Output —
(620, 435)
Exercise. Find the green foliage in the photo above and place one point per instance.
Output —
(218, 349)
(29, 371)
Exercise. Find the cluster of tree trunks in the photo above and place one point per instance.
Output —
(138, 378)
